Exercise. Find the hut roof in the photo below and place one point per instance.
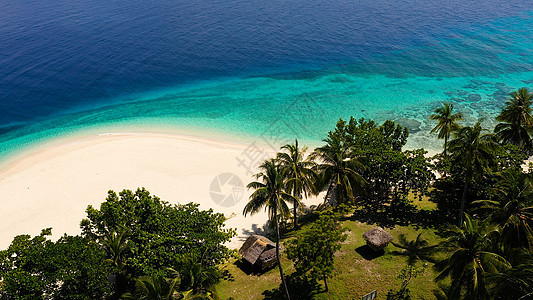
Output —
(377, 237)
(254, 246)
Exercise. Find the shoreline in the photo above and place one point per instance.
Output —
(52, 186)
(52, 183)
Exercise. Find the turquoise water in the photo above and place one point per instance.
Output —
(271, 80)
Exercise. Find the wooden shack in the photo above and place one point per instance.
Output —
(259, 251)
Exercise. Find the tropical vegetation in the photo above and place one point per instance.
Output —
(126, 249)
(462, 223)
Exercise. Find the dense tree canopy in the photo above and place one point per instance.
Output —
(159, 233)
(132, 240)
(38, 268)
(388, 172)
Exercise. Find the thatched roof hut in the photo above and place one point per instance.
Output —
(259, 251)
(377, 238)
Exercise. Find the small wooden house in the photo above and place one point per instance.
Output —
(259, 251)
(377, 238)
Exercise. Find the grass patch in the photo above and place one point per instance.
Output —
(356, 275)
(422, 203)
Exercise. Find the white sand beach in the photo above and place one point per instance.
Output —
(53, 186)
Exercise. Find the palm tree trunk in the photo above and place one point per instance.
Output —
(279, 263)
(326, 283)
(295, 214)
(463, 199)
(445, 144)
(445, 152)
(327, 193)
(295, 217)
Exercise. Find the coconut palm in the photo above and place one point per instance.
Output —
(446, 122)
(512, 209)
(117, 246)
(299, 173)
(514, 284)
(516, 120)
(415, 250)
(338, 170)
(270, 195)
(474, 151)
(196, 277)
(468, 260)
(155, 287)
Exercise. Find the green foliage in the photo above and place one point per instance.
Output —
(365, 162)
(158, 233)
(469, 259)
(446, 122)
(37, 268)
(270, 194)
(313, 251)
(448, 190)
(512, 210)
(474, 152)
(339, 170)
(514, 283)
(196, 277)
(389, 171)
(154, 287)
(516, 121)
(299, 174)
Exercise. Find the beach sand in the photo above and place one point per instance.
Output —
(53, 186)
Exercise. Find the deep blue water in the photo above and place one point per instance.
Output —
(234, 64)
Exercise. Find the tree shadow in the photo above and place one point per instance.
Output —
(299, 288)
(367, 252)
(263, 230)
(226, 275)
(389, 216)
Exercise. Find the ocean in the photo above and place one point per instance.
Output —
(271, 70)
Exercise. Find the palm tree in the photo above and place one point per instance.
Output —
(446, 122)
(514, 284)
(117, 246)
(338, 170)
(197, 278)
(415, 250)
(516, 120)
(299, 174)
(154, 287)
(512, 209)
(468, 261)
(474, 152)
(270, 195)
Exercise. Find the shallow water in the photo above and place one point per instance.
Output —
(270, 70)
